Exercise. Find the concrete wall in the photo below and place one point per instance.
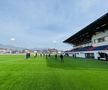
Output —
(81, 54)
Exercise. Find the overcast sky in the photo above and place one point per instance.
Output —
(46, 23)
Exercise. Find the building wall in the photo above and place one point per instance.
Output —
(95, 38)
(77, 54)
(81, 54)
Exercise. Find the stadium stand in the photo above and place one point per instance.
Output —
(91, 40)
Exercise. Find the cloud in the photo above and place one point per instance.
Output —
(12, 39)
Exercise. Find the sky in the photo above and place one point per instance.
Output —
(46, 23)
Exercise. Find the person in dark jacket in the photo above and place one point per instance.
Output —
(62, 58)
(55, 56)
(49, 55)
(27, 55)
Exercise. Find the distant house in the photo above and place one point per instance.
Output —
(4, 51)
(53, 51)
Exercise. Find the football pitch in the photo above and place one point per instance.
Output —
(41, 73)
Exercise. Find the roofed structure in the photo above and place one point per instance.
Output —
(84, 36)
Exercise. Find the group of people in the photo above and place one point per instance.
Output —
(47, 56)
(56, 56)
(61, 57)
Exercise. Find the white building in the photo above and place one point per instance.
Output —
(91, 41)
(5, 51)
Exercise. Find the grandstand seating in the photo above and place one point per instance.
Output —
(85, 48)
(90, 48)
(101, 47)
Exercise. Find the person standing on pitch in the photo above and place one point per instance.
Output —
(49, 55)
(27, 55)
(55, 56)
(62, 58)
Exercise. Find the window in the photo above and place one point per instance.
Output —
(106, 38)
(89, 55)
(101, 39)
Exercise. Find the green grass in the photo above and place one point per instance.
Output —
(17, 73)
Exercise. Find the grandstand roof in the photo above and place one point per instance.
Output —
(84, 36)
